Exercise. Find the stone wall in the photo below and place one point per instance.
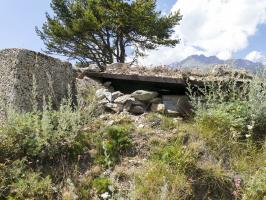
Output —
(20, 68)
(141, 101)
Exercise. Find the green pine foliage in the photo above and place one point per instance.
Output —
(100, 31)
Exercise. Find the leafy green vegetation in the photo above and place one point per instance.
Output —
(231, 120)
(173, 174)
(101, 30)
(256, 186)
(38, 148)
(42, 136)
(101, 185)
(17, 181)
(72, 153)
(112, 143)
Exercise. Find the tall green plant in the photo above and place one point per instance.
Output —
(100, 31)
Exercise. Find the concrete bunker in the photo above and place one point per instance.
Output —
(163, 94)
(21, 69)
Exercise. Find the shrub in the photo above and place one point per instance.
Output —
(173, 173)
(158, 181)
(232, 108)
(164, 177)
(256, 186)
(167, 123)
(226, 120)
(32, 185)
(17, 181)
(175, 155)
(114, 142)
(101, 185)
(161, 121)
(42, 136)
(41, 151)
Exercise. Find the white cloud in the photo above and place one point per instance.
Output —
(216, 27)
(256, 56)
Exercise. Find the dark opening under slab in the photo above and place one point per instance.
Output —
(129, 86)
(130, 83)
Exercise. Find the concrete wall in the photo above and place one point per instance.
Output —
(19, 68)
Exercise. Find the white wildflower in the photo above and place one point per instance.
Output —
(250, 127)
(105, 195)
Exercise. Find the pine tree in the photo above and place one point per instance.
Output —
(101, 31)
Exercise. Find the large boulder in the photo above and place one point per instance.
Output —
(143, 95)
(135, 107)
(137, 110)
(28, 77)
(177, 105)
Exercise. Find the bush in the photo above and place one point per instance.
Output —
(161, 121)
(41, 150)
(38, 145)
(176, 156)
(114, 142)
(42, 136)
(101, 185)
(234, 109)
(17, 181)
(173, 174)
(227, 120)
(256, 186)
(158, 181)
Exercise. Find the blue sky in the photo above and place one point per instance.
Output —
(18, 20)
(256, 42)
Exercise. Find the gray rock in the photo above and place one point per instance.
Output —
(177, 105)
(116, 94)
(102, 93)
(109, 96)
(156, 100)
(105, 195)
(137, 110)
(114, 107)
(103, 102)
(143, 95)
(24, 72)
(106, 93)
(129, 104)
(123, 99)
(90, 68)
(116, 66)
(160, 108)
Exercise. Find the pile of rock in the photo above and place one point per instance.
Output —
(136, 103)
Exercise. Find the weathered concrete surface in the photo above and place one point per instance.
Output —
(178, 105)
(20, 68)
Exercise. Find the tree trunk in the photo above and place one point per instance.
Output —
(122, 56)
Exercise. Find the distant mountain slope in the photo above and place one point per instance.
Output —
(203, 62)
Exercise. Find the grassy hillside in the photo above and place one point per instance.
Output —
(84, 153)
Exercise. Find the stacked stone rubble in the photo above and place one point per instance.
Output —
(142, 101)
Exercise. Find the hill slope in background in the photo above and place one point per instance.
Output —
(204, 63)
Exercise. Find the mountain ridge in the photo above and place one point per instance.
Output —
(204, 63)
